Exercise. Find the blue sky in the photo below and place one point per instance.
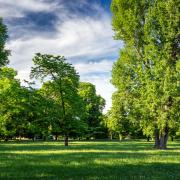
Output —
(78, 29)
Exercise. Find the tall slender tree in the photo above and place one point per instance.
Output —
(147, 70)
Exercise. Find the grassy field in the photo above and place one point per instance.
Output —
(89, 160)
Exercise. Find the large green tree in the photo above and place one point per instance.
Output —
(147, 70)
(64, 81)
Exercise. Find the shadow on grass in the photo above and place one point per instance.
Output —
(113, 146)
(75, 146)
(101, 161)
(90, 170)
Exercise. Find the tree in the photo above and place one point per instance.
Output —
(147, 69)
(51, 94)
(64, 81)
(162, 51)
(94, 105)
(3, 37)
(10, 101)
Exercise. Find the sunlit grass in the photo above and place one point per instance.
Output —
(88, 160)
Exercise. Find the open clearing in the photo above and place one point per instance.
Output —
(89, 160)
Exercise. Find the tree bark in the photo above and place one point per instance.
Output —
(148, 139)
(66, 140)
(111, 136)
(156, 137)
(56, 137)
(163, 139)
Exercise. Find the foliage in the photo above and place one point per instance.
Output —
(64, 82)
(76, 126)
(3, 37)
(147, 68)
(10, 100)
(119, 119)
(94, 105)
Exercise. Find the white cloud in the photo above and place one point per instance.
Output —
(85, 41)
(87, 37)
(74, 39)
(103, 66)
(17, 8)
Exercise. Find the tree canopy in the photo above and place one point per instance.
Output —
(147, 70)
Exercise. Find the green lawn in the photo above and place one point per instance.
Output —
(89, 160)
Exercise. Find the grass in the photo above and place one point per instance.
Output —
(89, 160)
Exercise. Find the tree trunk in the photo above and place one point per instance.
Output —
(66, 140)
(120, 137)
(45, 138)
(56, 137)
(148, 138)
(110, 135)
(156, 137)
(163, 139)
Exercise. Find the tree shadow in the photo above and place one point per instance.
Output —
(113, 146)
(86, 161)
(92, 170)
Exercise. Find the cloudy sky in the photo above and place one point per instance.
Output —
(80, 30)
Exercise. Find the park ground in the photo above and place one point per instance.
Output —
(89, 160)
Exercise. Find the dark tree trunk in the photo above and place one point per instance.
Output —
(163, 139)
(56, 137)
(156, 136)
(45, 138)
(111, 136)
(66, 140)
(172, 138)
(148, 138)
